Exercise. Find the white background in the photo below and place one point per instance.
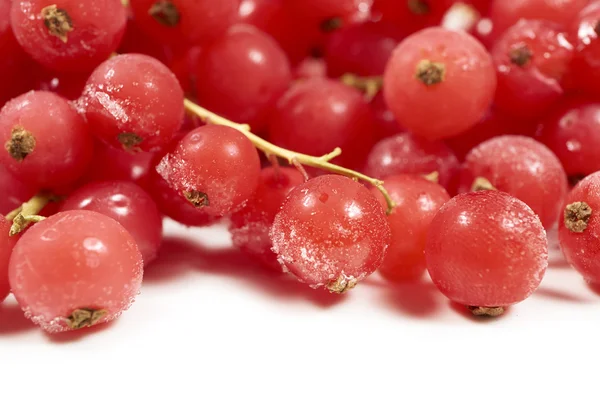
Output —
(209, 324)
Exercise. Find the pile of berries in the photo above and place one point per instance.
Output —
(335, 138)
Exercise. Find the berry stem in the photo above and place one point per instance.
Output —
(292, 157)
(26, 214)
(369, 85)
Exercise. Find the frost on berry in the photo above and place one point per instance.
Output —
(331, 232)
(21, 144)
(57, 21)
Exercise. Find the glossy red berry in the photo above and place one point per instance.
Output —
(408, 154)
(126, 203)
(531, 58)
(133, 102)
(331, 232)
(46, 143)
(570, 130)
(579, 228)
(251, 225)
(316, 116)
(69, 35)
(439, 83)
(486, 250)
(585, 34)
(214, 167)
(14, 191)
(417, 201)
(187, 21)
(522, 167)
(242, 75)
(75, 269)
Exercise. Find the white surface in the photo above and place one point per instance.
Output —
(210, 325)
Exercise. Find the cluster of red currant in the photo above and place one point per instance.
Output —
(106, 129)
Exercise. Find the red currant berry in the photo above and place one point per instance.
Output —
(411, 15)
(438, 83)
(417, 201)
(6, 247)
(331, 232)
(242, 75)
(522, 167)
(126, 203)
(250, 226)
(385, 122)
(362, 49)
(69, 35)
(133, 102)
(214, 167)
(585, 33)
(531, 59)
(328, 10)
(407, 154)
(579, 228)
(486, 250)
(46, 143)
(507, 13)
(570, 130)
(191, 21)
(75, 269)
(316, 116)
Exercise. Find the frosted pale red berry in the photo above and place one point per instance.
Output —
(487, 250)
(331, 232)
(74, 270)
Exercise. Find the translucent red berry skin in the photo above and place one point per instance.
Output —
(504, 14)
(174, 206)
(531, 58)
(195, 21)
(584, 71)
(411, 16)
(385, 122)
(6, 246)
(15, 60)
(109, 163)
(581, 247)
(362, 49)
(417, 201)
(74, 260)
(522, 167)
(486, 249)
(251, 225)
(14, 191)
(316, 116)
(126, 203)
(133, 94)
(408, 154)
(242, 75)
(331, 229)
(450, 100)
(570, 130)
(97, 29)
(63, 147)
(215, 167)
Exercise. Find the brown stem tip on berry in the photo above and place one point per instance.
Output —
(130, 141)
(342, 284)
(520, 55)
(84, 317)
(165, 13)
(331, 24)
(430, 73)
(57, 21)
(577, 216)
(597, 28)
(198, 199)
(481, 183)
(21, 143)
(418, 7)
(486, 311)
